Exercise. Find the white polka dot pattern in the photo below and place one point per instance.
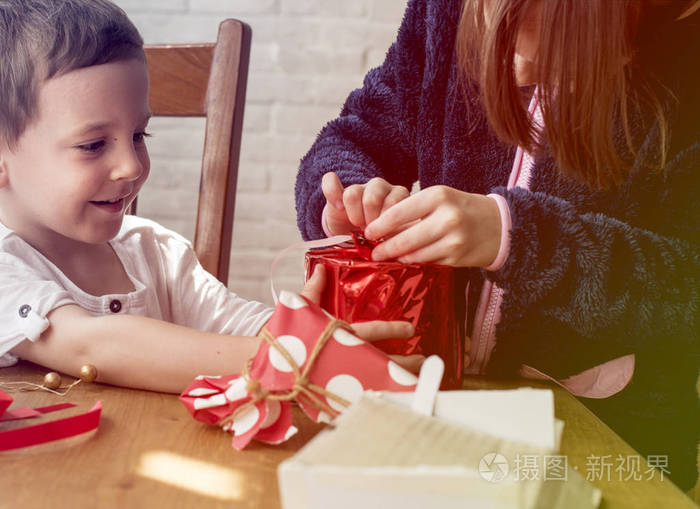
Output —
(400, 375)
(212, 401)
(274, 409)
(292, 300)
(290, 432)
(202, 391)
(237, 389)
(245, 420)
(323, 417)
(345, 338)
(296, 349)
(348, 366)
(347, 387)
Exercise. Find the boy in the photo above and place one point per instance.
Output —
(82, 282)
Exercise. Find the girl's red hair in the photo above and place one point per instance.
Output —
(590, 76)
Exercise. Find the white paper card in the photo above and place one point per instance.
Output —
(524, 415)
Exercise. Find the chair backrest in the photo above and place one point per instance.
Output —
(208, 80)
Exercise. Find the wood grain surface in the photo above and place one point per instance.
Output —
(149, 452)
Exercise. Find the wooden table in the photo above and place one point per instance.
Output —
(149, 452)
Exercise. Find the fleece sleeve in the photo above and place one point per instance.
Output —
(610, 284)
(374, 136)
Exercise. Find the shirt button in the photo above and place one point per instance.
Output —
(24, 310)
(115, 306)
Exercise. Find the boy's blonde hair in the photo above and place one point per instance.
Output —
(42, 39)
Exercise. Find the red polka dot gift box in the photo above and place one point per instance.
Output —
(431, 297)
(306, 355)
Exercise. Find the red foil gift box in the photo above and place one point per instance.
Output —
(429, 296)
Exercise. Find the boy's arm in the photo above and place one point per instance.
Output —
(135, 351)
(144, 353)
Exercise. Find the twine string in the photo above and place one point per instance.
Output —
(302, 386)
(30, 386)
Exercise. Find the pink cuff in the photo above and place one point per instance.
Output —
(598, 382)
(324, 222)
(504, 248)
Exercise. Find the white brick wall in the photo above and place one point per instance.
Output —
(306, 56)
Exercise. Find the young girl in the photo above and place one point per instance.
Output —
(79, 282)
(557, 146)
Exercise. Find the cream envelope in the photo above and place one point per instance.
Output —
(381, 454)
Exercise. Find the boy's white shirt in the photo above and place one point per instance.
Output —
(169, 283)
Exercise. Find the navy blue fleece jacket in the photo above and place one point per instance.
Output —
(591, 275)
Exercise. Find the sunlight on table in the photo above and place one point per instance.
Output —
(191, 474)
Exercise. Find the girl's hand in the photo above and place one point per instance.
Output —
(355, 207)
(439, 225)
(369, 331)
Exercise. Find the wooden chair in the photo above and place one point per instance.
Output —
(208, 80)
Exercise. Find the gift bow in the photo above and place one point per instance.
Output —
(306, 356)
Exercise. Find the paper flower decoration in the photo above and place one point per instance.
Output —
(307, 356)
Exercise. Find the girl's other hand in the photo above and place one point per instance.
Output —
(354, 207)
(445, 226)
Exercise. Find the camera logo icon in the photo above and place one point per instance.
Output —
(493, 467)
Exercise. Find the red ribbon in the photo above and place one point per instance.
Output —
(47, 431)
(363, 245)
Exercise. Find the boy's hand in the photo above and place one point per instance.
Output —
(355, 207)
(369, 331)
(313, 288)
(378, 329)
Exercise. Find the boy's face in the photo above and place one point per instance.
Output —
(80, 163)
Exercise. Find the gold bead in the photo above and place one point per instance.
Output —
(52, 380)
(88, 373)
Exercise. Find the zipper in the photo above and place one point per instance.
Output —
(491, 296)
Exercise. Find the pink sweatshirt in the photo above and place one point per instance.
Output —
(597, 382)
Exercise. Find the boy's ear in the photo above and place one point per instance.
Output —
(4, 177)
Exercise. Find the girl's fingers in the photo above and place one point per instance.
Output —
(337, 221)
(373, 199)
(440, 252)
(332, 189)
(397, 194)
(358, 204)
(417, 236)
(378, 329)
(377, 192)
(336, 215)
(412, 208)
(352, 201)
